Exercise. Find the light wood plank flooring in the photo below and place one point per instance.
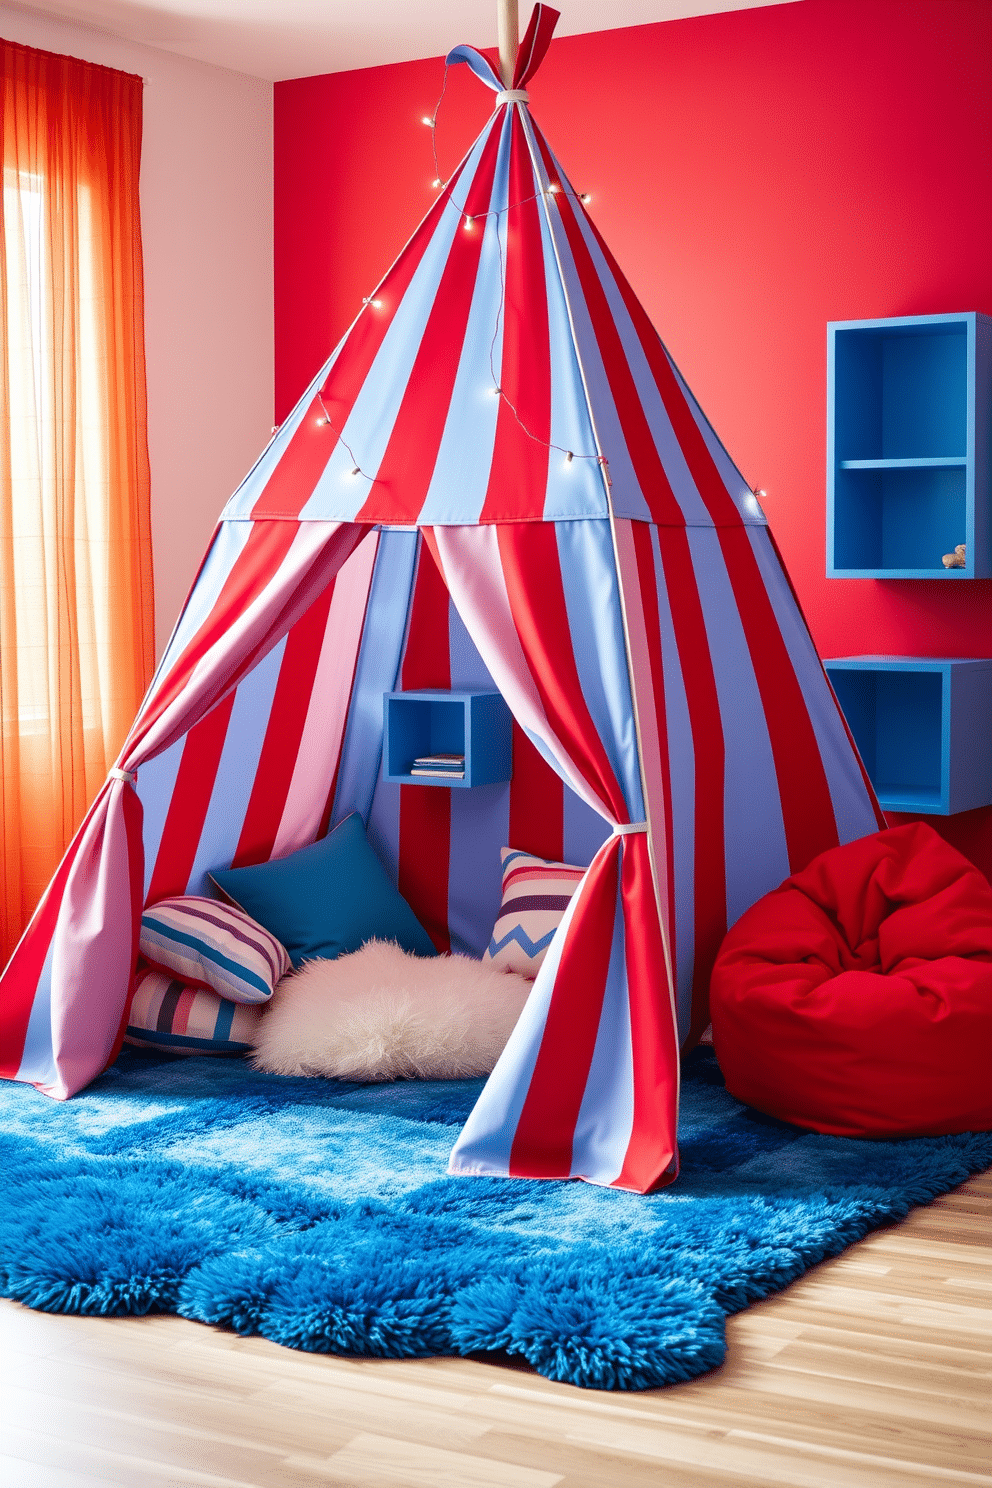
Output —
(872, 1371)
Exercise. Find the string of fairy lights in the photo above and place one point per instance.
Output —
(471, 221)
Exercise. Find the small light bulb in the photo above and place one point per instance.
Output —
(762, 494)
(554, 186)
(428, 121)
(321, 420)
(355, 470)
(495, 391)
(584, 196)
(275, 428)
(468, 223)
(569, 457)
(437, 182)
(376, 304)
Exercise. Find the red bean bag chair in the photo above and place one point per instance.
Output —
(856, 998)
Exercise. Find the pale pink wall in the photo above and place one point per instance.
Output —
(206, 204)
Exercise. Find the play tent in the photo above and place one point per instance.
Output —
(500, 480)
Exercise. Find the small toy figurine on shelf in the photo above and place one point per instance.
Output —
(957, 559)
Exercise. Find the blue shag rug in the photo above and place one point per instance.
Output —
(320, 1215)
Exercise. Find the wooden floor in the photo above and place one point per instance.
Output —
(874, 1369)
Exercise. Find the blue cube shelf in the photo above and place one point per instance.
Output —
(923, 727)
(476, 724)
(909, 404)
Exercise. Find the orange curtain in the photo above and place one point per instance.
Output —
(76, 637)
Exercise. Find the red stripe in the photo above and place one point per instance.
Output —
(651, 1152)
(404, 474)
(537, 802)
(534, 46)
(638, 438)
(292, 482)
(252, 570)
(518, 472)
(542, 1143)
(281, 745)
(532, 572)
(19, 984)
(190, 800)
(709, 864)
(647, 581)
(425, 811)
(807, 808)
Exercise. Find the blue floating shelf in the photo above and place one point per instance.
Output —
(909, 404)
(923, 727)
(477, 725)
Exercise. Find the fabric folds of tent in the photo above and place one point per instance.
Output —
(499, 479)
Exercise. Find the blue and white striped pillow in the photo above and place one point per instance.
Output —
(167, 1014)
(217, 946)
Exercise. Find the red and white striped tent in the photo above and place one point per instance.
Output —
(499, 478)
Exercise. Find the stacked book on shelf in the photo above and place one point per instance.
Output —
(440, 766)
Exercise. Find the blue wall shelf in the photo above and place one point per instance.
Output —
(923, 727)
(909, 404)
(475, 724)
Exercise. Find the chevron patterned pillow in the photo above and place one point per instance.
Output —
(535, 897)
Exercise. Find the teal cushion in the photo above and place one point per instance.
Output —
(327, 899)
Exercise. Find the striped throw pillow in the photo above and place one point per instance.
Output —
(535, 897)
(217, 946)
(167, 1014)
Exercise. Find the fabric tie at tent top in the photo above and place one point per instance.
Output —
(499, 479)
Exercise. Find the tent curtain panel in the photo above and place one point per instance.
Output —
(76, 624)
(276, 576)
(588, 1083)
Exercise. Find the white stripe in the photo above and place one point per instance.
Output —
(320, 744)
(460, 479)
(242, 749)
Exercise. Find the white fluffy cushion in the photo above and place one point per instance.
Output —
(383, 1014)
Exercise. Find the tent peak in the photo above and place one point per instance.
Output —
(529, 56)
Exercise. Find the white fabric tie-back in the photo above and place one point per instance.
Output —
(117, 774)
(512, 95)
(623, 829)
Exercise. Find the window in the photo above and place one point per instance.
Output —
(76, 645)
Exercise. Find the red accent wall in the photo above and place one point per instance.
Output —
(757, 173)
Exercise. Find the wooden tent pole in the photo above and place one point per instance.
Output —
(508, 31)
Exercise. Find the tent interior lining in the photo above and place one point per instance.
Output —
(387, 622)
(416, 641)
